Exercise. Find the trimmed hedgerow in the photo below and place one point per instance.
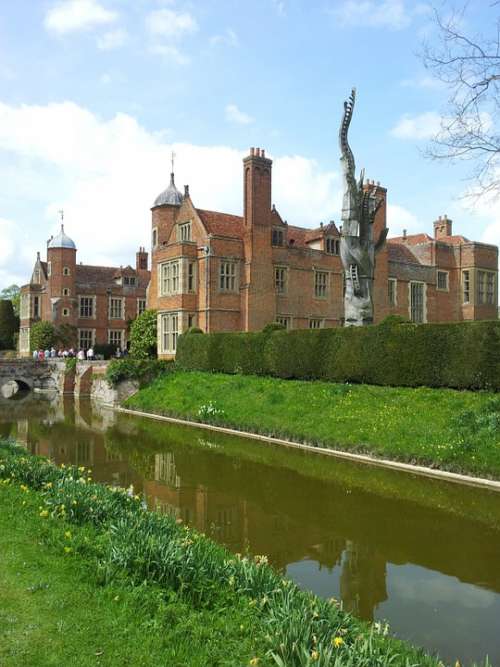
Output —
(464, 355)
(141, 370)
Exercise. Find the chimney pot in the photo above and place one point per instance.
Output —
(404, 233)
(263, 153)
(378, 183)
(186, 191)
(252, 151)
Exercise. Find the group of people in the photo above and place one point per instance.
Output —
(81, 355)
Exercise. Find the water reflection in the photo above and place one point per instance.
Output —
(420, 553)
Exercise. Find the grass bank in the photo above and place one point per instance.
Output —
(56, 609)
(163, 593)
(452, 430)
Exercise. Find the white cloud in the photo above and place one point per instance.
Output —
(112, 39)
(400, 219)
(421, 126)
(167, 26)
(170, 24)
(229, 38)
(170, 53)
(235, 115)
(105, 173)
(393, 14)
(73, 15)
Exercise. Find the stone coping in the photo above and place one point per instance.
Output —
(435, 473)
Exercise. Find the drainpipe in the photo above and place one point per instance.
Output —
(208, 276)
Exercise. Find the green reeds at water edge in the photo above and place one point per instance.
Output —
(296, 628)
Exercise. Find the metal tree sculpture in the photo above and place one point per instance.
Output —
(357, 247)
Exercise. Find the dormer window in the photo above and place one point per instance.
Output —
(277, 237)
(332, 246)
(184, 232)
(129, 280)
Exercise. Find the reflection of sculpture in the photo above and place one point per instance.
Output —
(357, 248)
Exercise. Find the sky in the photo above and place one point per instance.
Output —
(96, 94)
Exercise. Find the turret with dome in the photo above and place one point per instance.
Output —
(62, 240)
(171, 196)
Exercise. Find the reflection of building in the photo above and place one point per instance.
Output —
(98, 301)
(362, 580)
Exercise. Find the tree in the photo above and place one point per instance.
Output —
(12, 293)
(469, 66)
(66, 335)
(9, 324)
(42, 336)
(143, 335)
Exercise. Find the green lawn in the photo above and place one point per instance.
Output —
(53, 611)
(454, 430)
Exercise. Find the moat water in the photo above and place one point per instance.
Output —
(422, 554)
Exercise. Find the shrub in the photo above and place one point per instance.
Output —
(106, 350)
(70, 365)
(273, 326)
(143, 335)
(463, 355)
(9, 324)
(194, 330)
(42, 336)
(141, 370)
(66, 335)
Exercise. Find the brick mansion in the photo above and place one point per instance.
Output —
(224, 272)
(97, 301)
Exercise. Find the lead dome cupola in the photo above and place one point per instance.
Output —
(170, 196)
(62, 240)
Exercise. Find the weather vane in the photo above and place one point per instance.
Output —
(61, 215)
(172, 158)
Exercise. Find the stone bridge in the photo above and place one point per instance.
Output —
(31, 374)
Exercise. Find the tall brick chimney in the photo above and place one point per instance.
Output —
(141, 259)
(258, 308)
(257, 188)
(442, 227)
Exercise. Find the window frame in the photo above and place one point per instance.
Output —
(121, 345)
(170, 277)
(320, 321)
(447, 280)
(466, 286)
(111, 315)
(320, 288)
(66, 271)
(285, 320)
(168, 335)
(411, 307)
(139, 301)
(184, 230)
(228, 276)
(281, 285)
(392, 301)
(277, 237)
(92, 338)
(336, 246)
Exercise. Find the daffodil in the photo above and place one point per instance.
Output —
(44, 514)
(254, 661)
(337, 642)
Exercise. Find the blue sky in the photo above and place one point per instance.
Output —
(94, 94)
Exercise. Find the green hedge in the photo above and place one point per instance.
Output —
(464, 355)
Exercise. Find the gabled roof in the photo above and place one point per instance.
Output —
(104, 276)
(398, 252)
(221, 224)
(411, 239)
